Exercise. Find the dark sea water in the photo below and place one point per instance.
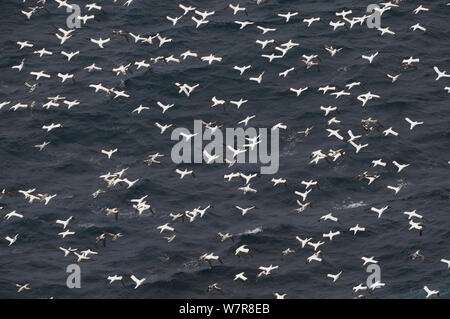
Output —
(70, 165)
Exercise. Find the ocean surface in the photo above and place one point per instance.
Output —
(70, 165)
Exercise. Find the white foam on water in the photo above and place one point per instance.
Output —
(251, 232)
(351, 205)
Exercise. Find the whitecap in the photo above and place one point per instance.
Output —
(251, 232)
(351, 205)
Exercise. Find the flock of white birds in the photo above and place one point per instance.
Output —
(201, 18)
